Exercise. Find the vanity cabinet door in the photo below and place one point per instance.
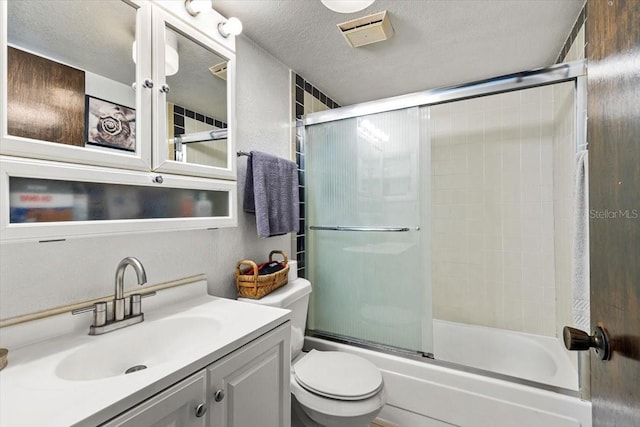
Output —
(193, 102)
(73, 82)
(180, 405)
(250, 387)
(52, 200)
(126, 84)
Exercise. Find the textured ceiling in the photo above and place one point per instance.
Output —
(437, 43)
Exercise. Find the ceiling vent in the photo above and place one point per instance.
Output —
(219, 70)
(369, 29)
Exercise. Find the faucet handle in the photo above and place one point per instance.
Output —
(99, 313)
(135, 307)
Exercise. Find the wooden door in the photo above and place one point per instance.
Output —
(613, 50)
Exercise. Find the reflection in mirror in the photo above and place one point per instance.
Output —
(197, 105)
(46, 200)
(61, 56)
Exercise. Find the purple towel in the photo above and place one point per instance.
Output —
(271, 193)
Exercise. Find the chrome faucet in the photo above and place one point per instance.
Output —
(118, 300)
(119, 318)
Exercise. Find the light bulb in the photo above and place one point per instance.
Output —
(347, 6)
(195, 7)
(232, 27)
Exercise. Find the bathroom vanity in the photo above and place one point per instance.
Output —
(196, 360)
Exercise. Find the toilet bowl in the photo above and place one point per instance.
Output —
(335, 389)
(329, 388)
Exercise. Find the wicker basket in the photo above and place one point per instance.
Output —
(256, 286)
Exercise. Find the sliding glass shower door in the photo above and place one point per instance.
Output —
(367, 257)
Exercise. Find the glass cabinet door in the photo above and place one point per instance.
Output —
(75, 85)
(195, 77)
(49, 200)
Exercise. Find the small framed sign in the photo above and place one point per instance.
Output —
(110, 125)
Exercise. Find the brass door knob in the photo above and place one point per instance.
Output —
(575, 339)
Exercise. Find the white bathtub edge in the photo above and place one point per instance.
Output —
(441, 395)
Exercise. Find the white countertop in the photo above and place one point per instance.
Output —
(34, 393)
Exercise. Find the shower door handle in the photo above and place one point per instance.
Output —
(575, 339)
(349, 228)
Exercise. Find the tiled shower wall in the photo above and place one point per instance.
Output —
(306, 99)
(183, 121)
(493, 229)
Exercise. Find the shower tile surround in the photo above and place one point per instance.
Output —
(306, 99)
(521, 295)
(493, 219)
(494, 186)
(187, 121)
(181, 121)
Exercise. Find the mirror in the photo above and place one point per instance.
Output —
(70, 73)
(70, 81)
(196, 103)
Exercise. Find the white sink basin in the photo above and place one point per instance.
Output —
(77, 379)
(147, 345)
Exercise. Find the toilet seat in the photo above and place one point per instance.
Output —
(337, 375)
(333, 412)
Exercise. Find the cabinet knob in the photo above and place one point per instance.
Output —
(201, 409)
(575, 339)
(165, 88)
(219, 395)
(158, 179)
(148, 83)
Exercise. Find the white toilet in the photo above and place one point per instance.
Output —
(328, 388)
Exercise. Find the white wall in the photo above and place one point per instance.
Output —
(37, 276)
(104, 88)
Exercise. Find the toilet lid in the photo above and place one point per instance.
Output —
(338, 375)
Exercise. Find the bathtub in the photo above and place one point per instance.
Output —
(424, 393)
(531, 357)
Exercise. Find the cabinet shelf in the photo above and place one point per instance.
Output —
(53, 200)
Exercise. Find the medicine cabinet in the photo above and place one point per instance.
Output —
(139, 93)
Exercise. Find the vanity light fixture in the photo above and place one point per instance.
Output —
(231, 27)
(347, 6)
(195, 7)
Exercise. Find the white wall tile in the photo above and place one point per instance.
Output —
(502, 178)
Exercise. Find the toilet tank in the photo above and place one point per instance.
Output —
(293, 296)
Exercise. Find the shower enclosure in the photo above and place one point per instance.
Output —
(436, 218)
